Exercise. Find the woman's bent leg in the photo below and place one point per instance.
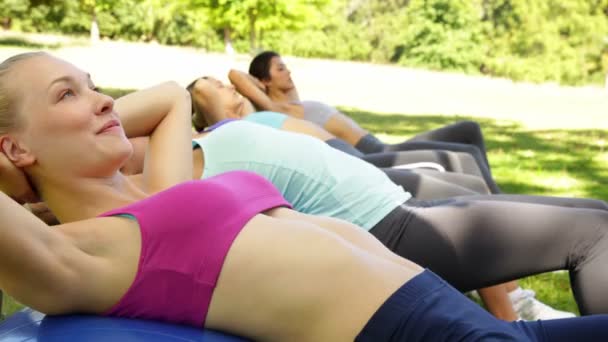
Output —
(428, 309)
(473, 183)
(455, 161)
(425, 187)
(463, 132)
(568, 202)
(497, 302)
(588, 328)
(474, 244)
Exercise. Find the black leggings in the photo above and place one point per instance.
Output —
(430, 184)
(459, 162)
(424, 183)
(434, 185)
(475, 243)
(462, 132)
(463, 136)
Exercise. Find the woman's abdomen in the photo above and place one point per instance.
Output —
(291, 280)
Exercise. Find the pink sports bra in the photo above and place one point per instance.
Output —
(186, 232)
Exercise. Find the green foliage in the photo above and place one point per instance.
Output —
(251, 18)
(443, 35)
(12, 8)
(53, 16)
(559, 40)
(564, 41)
(24, 43)
(347, 43)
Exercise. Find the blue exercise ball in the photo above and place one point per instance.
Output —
(30, 325)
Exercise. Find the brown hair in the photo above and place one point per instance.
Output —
(198, 118)
(260, 65)
(8, 100)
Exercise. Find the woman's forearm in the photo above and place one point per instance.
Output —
(168, 158)
(254, 90)
(142, 111)
(251, 88)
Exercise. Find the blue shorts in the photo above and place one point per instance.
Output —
(426, 308)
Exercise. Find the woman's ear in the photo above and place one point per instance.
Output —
(19, 155)
(266, 83)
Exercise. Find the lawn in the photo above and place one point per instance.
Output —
(545, 162)
(541, 162)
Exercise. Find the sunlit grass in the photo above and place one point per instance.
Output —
(40, 42)
(570, 163)
(552, 288)
(20, 42)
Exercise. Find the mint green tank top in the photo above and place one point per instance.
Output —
(266, 118)
(315, 178)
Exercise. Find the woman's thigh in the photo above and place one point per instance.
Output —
(567, 202)
(426, 187)
(464, 132)
(451, 161)
(470, 182)
(474, 244)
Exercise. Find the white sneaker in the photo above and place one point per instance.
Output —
(531, 309)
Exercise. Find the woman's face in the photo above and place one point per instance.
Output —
(280, 76)
(220, 101)
(67, 125)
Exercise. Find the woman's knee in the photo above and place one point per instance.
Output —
(472, 128)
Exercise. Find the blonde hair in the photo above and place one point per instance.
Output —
(8, 100)
(199, 122)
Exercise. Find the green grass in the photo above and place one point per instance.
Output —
(546, 162)
(542, 162)
(22, 42)
(116, 92)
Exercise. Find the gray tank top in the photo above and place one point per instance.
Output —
(317, 112)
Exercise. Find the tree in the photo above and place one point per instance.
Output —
(10, 9)
(253, 17)
(93, 7)
(443, 35)
(559, 40)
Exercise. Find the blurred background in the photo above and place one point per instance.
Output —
(561, 41)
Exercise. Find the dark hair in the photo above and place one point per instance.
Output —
(260, 65)
(198, 118)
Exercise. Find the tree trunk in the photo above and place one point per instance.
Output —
(228, 42)
(252, 19)
(261, 38)
(6, 23)
(94, 29)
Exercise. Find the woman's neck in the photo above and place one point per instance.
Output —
(85, 198)
(278, 95)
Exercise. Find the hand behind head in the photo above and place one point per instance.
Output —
(14, 183)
